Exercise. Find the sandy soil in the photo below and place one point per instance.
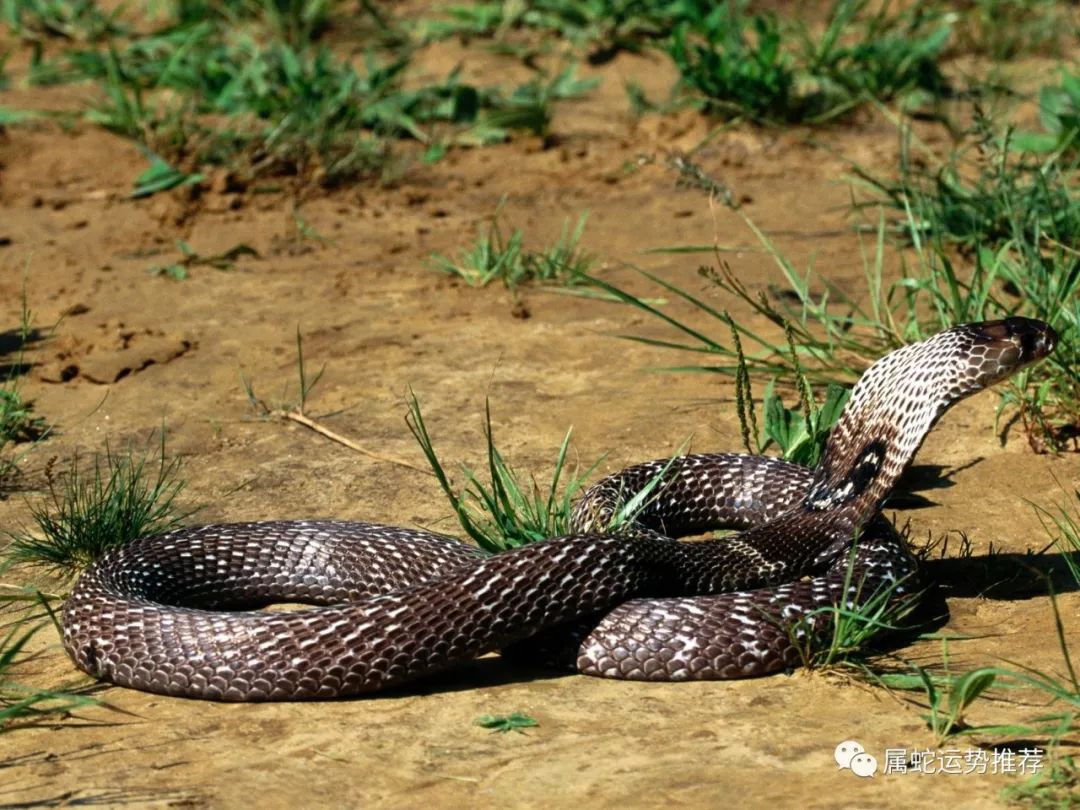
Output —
(131, 351)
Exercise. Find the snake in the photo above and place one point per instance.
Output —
(181, 613)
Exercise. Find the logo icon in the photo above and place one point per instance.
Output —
(851, 755)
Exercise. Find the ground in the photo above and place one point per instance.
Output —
(125, 352)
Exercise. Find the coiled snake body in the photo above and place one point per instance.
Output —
(174, 614)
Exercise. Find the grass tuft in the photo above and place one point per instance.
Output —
(93, 507)
(762, 67)
(800, 432)
(498, 256)
(73, 20)
(207, 90)
(1054, 788)
(1062, 525)
(509, 511)
(850, 628)
(603, 27)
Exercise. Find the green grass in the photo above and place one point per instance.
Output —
(1059, 115)
(981, 249)
(99, 504)
(799, 432)
(985, 193)
(287, 403)
(510, 510)
(1003, 29)
(273, 99)
(21, 705)
(833, 335)
(18, 422)
(772, 69)
(1055, 788)
(196, 95)
(739, 63)
(160, 176)
(603, 27)
(1014, 218)
(840, 638)
(291, 21)
(950, 698)
(497, 256)
(516, 721)
(1062, 525)
(736, 63)
(73, 20)
(179, 270)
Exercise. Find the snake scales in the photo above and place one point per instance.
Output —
(174, 613)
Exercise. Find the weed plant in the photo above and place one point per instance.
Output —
(833, 335)
(21, 705)
(510, 511)
(1014, 218)
(204, 91)
(741, 64)
(736, 72)
(1017, 238)
(758, 67)
(1054, 788)
(1062, 524)
(97, 505)
(495, 255)
(160, 176)
(306, 382)
(515, 721)
(1059, 114)
(985, 194)
(18, 423)
(1003, 29)
(949, 695)
(800, 432)
(74, 20)
(291, 21)
(838, 637)
(604, 27)
(286, 111)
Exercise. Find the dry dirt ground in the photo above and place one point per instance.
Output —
(131, 351)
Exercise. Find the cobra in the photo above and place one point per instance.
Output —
(176, 613)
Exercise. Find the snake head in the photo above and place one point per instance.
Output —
(903, 394)
(1001, 348)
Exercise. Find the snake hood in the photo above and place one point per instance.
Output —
(902, 395)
